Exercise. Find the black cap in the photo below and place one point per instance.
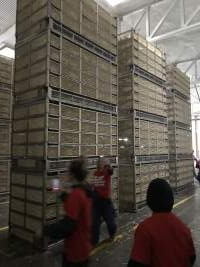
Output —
(160, 196)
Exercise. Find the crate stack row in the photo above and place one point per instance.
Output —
(6, 78)
(143, 130)
(180, 135)
(65, 103)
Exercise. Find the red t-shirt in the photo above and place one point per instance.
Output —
(78, 206)
(163, 241)
(102, 183)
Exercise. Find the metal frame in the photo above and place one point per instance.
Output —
(184, 27)
(83, 42)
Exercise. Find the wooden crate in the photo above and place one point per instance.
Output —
(5, 176)
(180, 141)
(134, 181)
(6, 71)
(179, 109)
(138, 93)
(150, 138)
(84, 17)
(5, 138)
(81, 70)
(181, 172)
(133, 49)
(178, 80)
(68, 127)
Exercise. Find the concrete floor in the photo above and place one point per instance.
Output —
(16, 254)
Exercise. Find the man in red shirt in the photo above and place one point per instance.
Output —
(103, 206)
(76, 227)
(162, 240)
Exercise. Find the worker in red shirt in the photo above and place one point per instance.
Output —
(162, 240)
(103, 207)
(76, 226)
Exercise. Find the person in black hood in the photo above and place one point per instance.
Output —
(160, 196)
(162, 240)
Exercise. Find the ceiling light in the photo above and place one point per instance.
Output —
(7, 52)
(114, 2)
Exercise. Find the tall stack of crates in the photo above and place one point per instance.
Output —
(6, 78)
(180, 135)
(143, 132)
(65, 103)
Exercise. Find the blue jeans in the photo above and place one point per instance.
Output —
(103, 209)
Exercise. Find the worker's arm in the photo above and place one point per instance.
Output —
(132, 263)
(67, 225)
(61, 229)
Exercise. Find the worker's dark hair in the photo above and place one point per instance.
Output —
(78, 169)
(160, 196)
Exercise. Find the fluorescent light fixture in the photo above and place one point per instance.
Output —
(114, 2)
(7, 52)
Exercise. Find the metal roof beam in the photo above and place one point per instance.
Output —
(140, 19)
(187, 60)
(160, 23)
(174, 33)
(193, 15)
(190, 66)
(197, 92)
(6, 35)
(148, 21)
(182, 12)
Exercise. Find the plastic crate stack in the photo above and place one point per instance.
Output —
(6, 78)
(143, 130)
(180, 135)
(65, 103)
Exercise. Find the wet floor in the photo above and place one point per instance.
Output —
(16, 254)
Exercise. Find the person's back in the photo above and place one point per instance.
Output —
(162, 240)
(167, 241)
(78, 206)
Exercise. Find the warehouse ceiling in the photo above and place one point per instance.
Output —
(173, 25)
(7, 24)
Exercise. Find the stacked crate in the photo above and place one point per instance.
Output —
(65, 103)
(143, 132)
(180, 135)
(6, 73)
